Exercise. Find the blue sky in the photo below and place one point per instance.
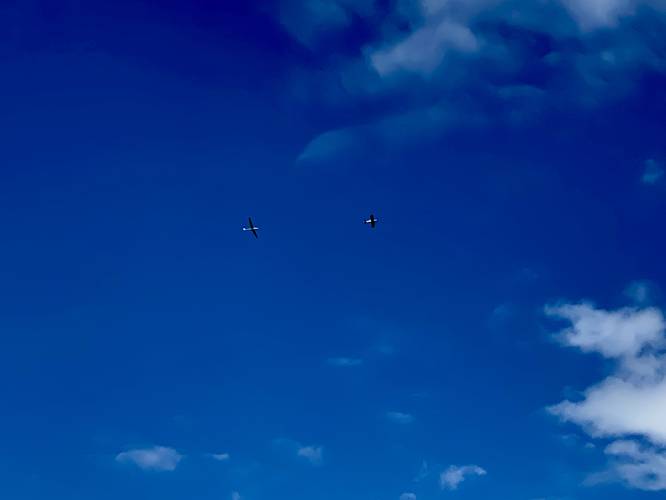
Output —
(501, 334)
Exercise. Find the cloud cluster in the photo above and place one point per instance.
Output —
(157, 458)
(431, 65)
(451, 478)
(630, 404)
(639, 466)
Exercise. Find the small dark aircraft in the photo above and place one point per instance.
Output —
(251, 227)
(372, 221)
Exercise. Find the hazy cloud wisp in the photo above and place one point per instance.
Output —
(157, 458)
(452, 477)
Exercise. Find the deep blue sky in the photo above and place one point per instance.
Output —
(137, 137)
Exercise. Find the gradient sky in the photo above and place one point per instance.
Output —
(499, 335)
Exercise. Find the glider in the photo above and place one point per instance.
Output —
(372, 221)
(251, 227)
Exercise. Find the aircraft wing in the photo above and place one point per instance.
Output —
(251, 227)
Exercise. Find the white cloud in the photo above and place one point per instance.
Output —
(617, 407)
(614, 334)
(399, 418)
(423, 50)
(435, 33)
(345, 362)
(313, 454)
(451, 478)
(637, 466)
(235, 496)
(220, 457)
(408, 496)
(593, 14)
(631, 402)
(653, 172)
(158, 458)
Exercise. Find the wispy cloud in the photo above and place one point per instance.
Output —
(313, 454)
(501, 315)
(652, 173)
(235, 496)
(629, 403)
(423, 472)
(399, 418)
(452, 477)
(408, 496)
(640, 292)
(594, 14)
(344, 362)
(157, 458)
(220, 457)
(312, 21)
(575, 440)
